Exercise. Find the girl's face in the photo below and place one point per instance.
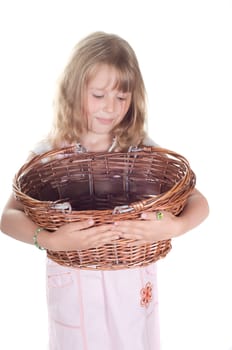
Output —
(106, 106)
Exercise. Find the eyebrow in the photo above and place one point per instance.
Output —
(103, 89)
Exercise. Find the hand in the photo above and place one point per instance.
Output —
(148, 228)
(80, 235)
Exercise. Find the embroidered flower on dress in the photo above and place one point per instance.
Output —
(146, 294)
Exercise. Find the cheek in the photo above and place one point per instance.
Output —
(125, 108)
(123, 111)
(93, 105)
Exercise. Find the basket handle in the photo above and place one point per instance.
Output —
(160, 150)
(65, 207)
(121, 209)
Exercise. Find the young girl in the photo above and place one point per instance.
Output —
(100, 104)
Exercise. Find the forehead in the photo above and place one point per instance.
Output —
(105, 76)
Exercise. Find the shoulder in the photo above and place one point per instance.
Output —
(147, 141)
(41, 147)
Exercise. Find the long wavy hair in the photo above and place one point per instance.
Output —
(69, 112)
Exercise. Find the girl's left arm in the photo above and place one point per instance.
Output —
(194, 213)
(149, 229)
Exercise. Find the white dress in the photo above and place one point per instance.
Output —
(102, 310)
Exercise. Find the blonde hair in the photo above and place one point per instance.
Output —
(96, 49)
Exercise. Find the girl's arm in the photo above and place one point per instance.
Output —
(72, 236)
(150, 229)
(15, 223)
(194, 213)
(85, 235)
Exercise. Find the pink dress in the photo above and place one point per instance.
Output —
(102, 310)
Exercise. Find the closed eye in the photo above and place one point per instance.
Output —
(98, 96)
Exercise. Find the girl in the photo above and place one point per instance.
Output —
(100, 104)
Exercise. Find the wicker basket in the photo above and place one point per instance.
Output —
(62, 186)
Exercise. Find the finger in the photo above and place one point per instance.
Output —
(109, 235)
(137, 243)
(157, 215)
(104, 237)
(81, 225)
(98, 230)
(132, 227)
(133, 236)
(103, 242)
(125, 224)
(148, 216)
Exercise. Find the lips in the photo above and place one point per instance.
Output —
(105, 121)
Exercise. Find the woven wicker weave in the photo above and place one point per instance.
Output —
(62, 186)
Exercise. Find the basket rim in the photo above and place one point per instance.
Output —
(67, 152)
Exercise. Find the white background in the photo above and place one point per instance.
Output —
(184, 49)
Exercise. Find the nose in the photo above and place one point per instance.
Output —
(109, 104)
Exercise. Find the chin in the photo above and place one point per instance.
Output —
(101, 131)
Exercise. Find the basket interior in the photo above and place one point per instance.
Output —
(101, 182)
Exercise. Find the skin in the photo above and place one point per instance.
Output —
(149, 229)
(105, 108)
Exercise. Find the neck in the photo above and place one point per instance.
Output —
(96, 143)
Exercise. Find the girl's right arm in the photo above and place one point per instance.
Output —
(72, 236)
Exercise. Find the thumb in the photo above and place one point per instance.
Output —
(84, 224)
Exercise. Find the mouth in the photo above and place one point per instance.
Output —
(105, 121)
